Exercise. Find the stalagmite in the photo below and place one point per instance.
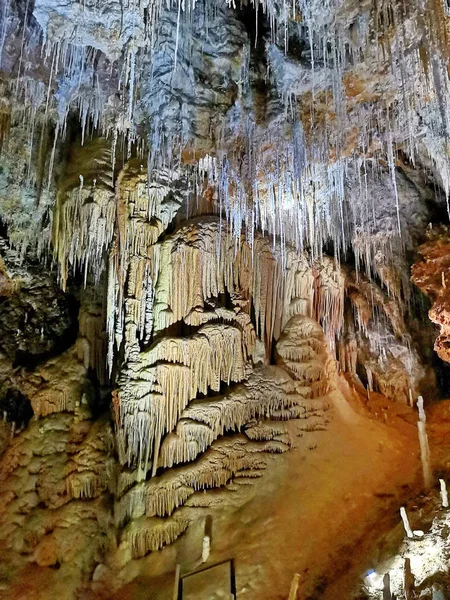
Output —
(406, 524)
(421, 410)
(424, 453)
(387, 587)
(424, 446)
(176, 582)
(294, 587)
(409, 580)
(206, 548)
(444, 494)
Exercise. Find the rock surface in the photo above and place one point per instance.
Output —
(208, 215)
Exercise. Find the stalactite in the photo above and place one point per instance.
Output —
(159, 45)
(253, 273)
(209, 215)
(173, 372)
(92, 340)
(144, 210)
(85, 212)
(199, 453)
(188, 278)
(268, 391)
(215, 468)
(151, 534)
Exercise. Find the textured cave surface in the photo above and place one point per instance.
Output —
(224, 275)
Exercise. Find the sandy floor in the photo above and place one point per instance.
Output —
(318, 512)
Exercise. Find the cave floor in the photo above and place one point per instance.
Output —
(319, 510)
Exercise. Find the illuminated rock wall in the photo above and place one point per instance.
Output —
(207, 212)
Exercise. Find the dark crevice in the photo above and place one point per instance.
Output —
(15, 407)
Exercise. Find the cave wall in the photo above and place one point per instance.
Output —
(208, 212)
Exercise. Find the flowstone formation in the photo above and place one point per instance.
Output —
(208, 215)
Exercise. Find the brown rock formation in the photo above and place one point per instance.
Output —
(432, 274)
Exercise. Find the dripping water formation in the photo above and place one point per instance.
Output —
(224, 299)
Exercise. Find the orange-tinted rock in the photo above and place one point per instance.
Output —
(432, 276)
